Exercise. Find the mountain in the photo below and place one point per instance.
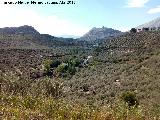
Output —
(19, 30)
(28, 37)
(152, 24)
(100, 33)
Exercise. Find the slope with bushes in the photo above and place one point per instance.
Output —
(120, 82)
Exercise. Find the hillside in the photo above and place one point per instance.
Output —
(126, 58)
(96, 34)
(129, 62)
(27, 37)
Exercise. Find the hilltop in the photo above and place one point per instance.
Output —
(22, 30)
(96, 34)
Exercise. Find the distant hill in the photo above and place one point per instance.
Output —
(100, 33)
(154, 23)
(19, 30)
(28, 37)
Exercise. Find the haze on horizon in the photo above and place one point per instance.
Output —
(79, 18)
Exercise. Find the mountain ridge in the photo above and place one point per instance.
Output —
(155, 23)
(28, 37)
(25, 29)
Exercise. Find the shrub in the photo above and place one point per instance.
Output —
(55, 63)
(62, 68)
(71, 70)
(145, 29)
(47, 67)
(53, 89)
(76, 62)
(133, 30)
(85, 88)
(130, 99)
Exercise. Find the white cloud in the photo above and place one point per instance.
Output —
(54, 25)
(154, 10)
(136, 3)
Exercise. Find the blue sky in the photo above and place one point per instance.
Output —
(79, 18)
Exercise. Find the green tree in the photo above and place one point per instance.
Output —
(47, 67)
(133, 30)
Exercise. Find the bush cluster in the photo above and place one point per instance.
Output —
(130, 98)
(59, 68)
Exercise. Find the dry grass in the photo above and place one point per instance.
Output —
(43, 100)
(30, 108)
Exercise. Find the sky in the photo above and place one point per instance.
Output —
(77, 19)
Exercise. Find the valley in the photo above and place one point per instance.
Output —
(41, 74)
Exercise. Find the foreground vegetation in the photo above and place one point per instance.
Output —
(43, 108)
(45, 99)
